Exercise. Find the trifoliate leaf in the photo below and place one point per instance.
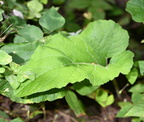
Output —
(103, 98)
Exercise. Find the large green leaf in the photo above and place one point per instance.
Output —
(71, 59)
(53, 94)
(136, 9)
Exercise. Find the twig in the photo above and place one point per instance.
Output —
(67, 116)
(6, 29)
(3, 38)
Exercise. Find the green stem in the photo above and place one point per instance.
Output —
(116, 88)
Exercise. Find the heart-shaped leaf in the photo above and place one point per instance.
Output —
(31, 33)
(51, 20)
(65, 60)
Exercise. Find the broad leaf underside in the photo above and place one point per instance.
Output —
(97, 54)
(50, 95)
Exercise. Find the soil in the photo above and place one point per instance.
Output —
(58, 111)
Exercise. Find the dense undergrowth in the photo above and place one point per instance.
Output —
(85, 54)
